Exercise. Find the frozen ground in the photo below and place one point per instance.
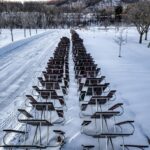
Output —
(129, 75)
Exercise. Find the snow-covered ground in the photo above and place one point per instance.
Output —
(20, 62)
(129, 75)
(5, 36)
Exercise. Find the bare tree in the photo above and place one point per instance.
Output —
(1, 22)
(148, 45)
(49, 14)
(139, 15)
(44, 21)
(120, 40)
(24, 17)
(1, 15)
(10, 20)
(30, 22)
(35, 17)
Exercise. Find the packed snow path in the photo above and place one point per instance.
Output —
(19, 63)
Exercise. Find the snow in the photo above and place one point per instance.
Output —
(5, 36)
(129, 75)
(22, 61)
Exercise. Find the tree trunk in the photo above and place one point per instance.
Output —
(146, 34)
(141, 36)
(30, 31)
(36, 30)
(12, 36)
(126, 36)
(119, 50)
(25, 32)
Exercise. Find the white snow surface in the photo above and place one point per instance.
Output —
(21, 61)
(129, 75)
(5, 36)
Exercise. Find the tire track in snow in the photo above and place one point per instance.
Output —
(5, 57)
(13, 58)
(11, 47)
(16, 63)
(5, 66)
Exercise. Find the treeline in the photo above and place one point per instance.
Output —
(36, 15)
(44, 15)
(17, 6)
(33, 7)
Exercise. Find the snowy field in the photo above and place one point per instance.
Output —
(21, 61)
(129, 75)
(5, 37)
